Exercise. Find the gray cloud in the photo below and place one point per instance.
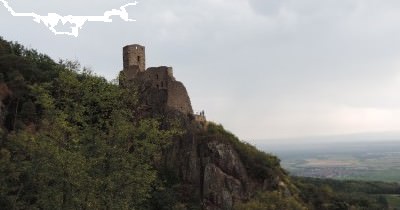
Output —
(265, 69)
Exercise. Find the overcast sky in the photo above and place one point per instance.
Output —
(264, 69)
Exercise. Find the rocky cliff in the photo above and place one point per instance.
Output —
(219, 171)
(214, 169)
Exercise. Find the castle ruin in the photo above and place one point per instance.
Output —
(163, 91)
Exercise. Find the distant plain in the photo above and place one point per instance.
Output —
(358, 160)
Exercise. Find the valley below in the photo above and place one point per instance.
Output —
(371, 161)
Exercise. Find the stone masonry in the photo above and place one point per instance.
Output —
(165, 92)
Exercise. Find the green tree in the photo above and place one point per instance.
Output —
(88, 149)
(271, 201)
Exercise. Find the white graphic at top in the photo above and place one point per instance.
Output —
(51, 20)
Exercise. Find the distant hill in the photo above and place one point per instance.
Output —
(343, 138)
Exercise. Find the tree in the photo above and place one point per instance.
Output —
(88, 149)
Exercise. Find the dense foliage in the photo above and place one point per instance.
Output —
(327, 194)
(70, 139)
(271, 201)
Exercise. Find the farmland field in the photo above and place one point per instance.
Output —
(373, 161)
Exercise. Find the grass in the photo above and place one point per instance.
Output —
(394, 201)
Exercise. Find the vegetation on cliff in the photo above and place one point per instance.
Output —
(72, 140)
(259, 165)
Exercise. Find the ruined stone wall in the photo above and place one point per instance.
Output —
(130, 73)
(134, 55)
(159, 77)
(161, 91)
(178, 98)
(200, 118)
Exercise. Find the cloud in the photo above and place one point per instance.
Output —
(73, 7)
(262, 68)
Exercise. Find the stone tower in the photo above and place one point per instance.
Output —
(134, 60)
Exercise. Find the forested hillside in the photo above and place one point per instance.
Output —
(70, 139)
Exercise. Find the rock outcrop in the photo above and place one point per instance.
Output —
(214, 169)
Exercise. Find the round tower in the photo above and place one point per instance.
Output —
(134, 55)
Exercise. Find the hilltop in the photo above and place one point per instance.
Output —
(72, 140)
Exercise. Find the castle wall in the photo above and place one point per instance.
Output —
(163, 91)
(130, 73)
(178, 98)
(159, 77)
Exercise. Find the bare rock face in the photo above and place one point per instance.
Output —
(224, 176)
(215, 170)
(226, 158)
(220, 189)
